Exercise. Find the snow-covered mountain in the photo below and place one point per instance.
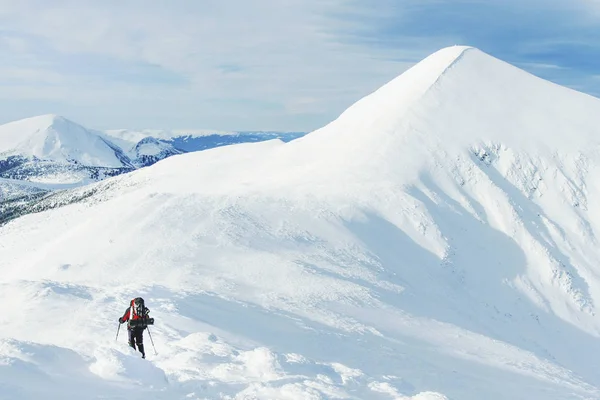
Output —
(54, 138)
(436, 241)
(52, 149)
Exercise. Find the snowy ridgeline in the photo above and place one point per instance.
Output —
(437, 241)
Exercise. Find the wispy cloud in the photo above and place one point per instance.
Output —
(237, 64)
(264, 51)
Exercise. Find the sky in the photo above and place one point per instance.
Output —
(289, 65)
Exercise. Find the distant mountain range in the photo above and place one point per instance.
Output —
(51, 152)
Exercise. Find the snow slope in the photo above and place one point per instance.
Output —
(150, 150)
(15, 194)
(437, 241)
(11, 189)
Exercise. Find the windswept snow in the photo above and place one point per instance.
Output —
(437, 241)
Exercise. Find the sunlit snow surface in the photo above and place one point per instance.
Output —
(437, 241)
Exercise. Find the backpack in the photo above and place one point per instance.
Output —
(138, 309)
(138, 314)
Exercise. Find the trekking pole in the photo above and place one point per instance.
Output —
(152, 341)
(118, 332)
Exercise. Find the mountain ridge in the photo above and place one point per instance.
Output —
(51, 148)
(408, 111)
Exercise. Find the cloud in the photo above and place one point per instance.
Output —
(280, 52)
(260, 64)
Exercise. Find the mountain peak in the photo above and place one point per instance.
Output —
(37, 123)
(42, 121)
(445, 57)
(52, 137)
(51, 117)
(398, 95)
(451, 100)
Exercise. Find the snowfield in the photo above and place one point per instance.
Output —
(437, 241)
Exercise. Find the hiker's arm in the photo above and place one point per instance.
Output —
(125, 316)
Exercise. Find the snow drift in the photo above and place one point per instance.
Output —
(435, 241)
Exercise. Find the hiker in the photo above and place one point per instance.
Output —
(137, 319)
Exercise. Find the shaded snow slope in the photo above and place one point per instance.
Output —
(54, 138)
(437, 241)
(16, 194)
(10, 189)
(150, 150)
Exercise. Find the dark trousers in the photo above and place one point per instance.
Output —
(136, 336)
